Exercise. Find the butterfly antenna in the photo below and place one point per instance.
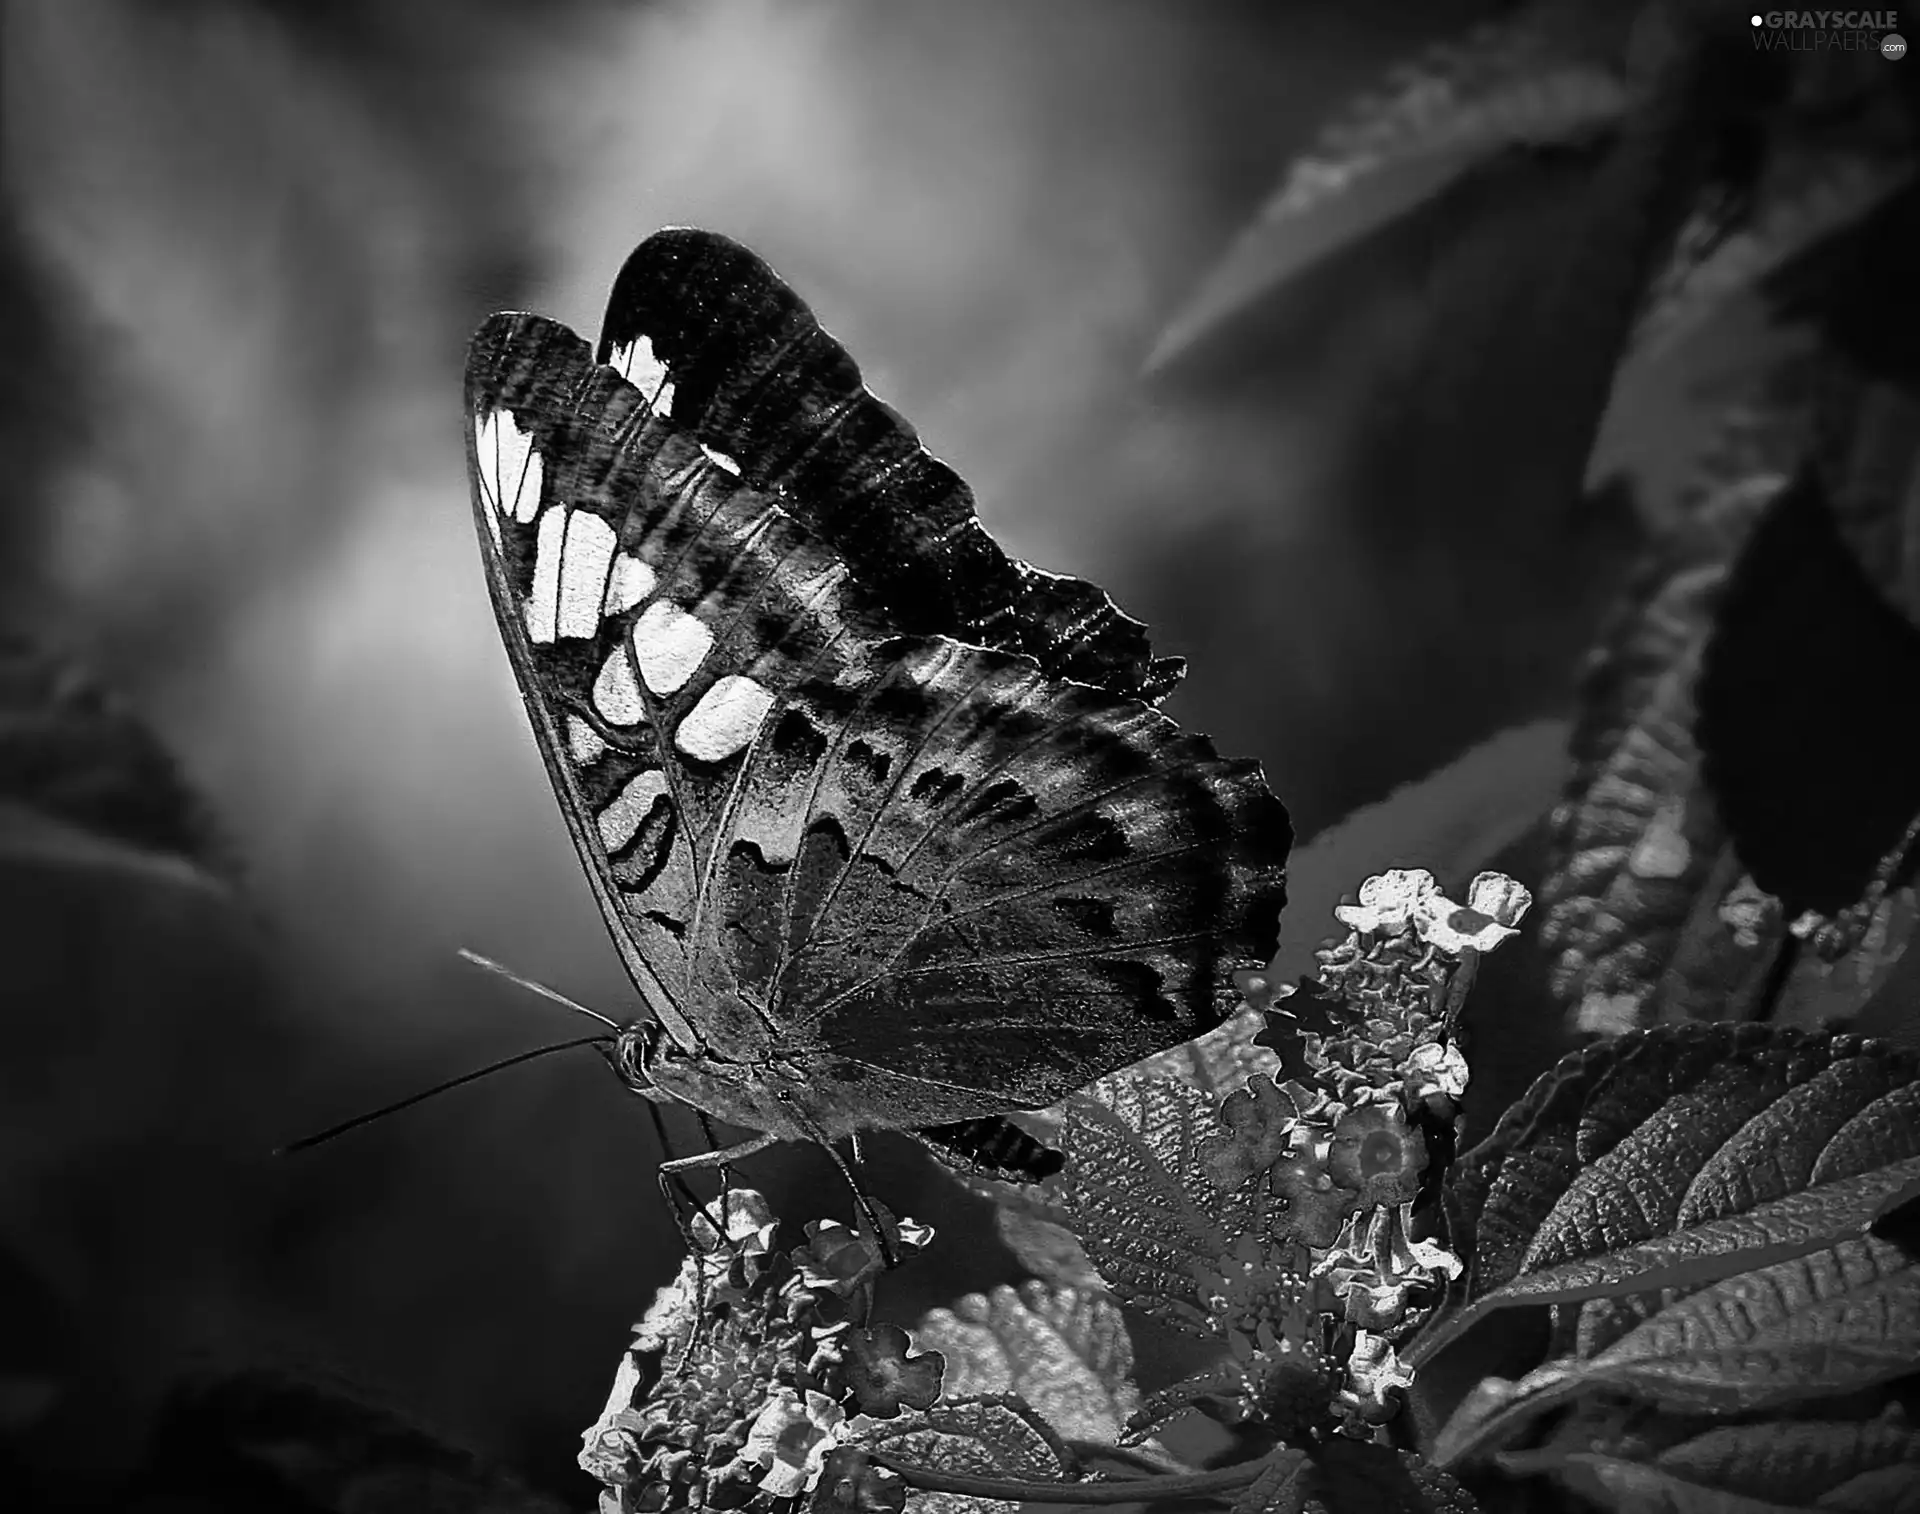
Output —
(306, 1143)
(541, 989)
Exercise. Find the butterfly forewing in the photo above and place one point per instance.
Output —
(938, 878)
(749, 372)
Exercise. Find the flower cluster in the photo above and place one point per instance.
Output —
(1344, 1150)
(751, 1369)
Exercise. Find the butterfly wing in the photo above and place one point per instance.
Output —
(954, 882)
(742, 365)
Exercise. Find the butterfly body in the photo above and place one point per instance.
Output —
(882, 822)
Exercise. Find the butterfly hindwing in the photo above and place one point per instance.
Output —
(943, 877)
(744, 367)
(1002, 879)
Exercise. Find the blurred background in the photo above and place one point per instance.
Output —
(244, 242)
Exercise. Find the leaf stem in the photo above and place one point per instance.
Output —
(1132, 1490)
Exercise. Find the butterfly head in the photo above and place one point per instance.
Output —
(633, 1053)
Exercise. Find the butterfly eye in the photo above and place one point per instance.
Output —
(632, 1051)
(635, 1050)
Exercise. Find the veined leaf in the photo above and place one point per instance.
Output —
(1788, 1227)
(1033, 1221)
(988, 1437)
(1503, 86)
(1771, 1467)
(1062, 1350)
(1136, 1194)
(1640, 863)
(1655, 1143)
(1831, 1323)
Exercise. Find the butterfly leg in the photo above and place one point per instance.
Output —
(726, 1172)
(673, 1183)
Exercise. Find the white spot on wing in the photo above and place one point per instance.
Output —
(583, 741)
(583, 573)
(486, 453)
(636, 364)
(543, 600)
(724, 720)
(510, 469)
(669, 644)
(628, 808)
(632, 581)
(721, 460)
(615, 695)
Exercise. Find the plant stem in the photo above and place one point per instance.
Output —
(1132, 1490)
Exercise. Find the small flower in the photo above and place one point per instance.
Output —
(1495, 905)
(1376, 1376)
(1377, 1154)
(749, 1221)
(1259, 988)
(1435, 1068)
(886, 1376)
(790, 1439)
(1381, 1273)
(851, 1482)
(1498, 897)
(1316, 1204)
(672, 1314)
(676, 1426)
(1389, 901)
(1259, 1121)
(835, 1258)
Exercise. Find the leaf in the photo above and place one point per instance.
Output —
(1806, 194)
(1657, 1143)
(1046, 1248)
(1841, 992)
(1064, 1351)
(1029, 1217)
(1788, 1227)
(1136, 1194)
(1831, 1323)
(84, 782)
(1872, 476)
(1640, 865)
(987, 1437)
(1500, 87)
(1772, 1467)
(1220, 1061)
(1805, 738)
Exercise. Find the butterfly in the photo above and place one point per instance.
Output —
(885, 825)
